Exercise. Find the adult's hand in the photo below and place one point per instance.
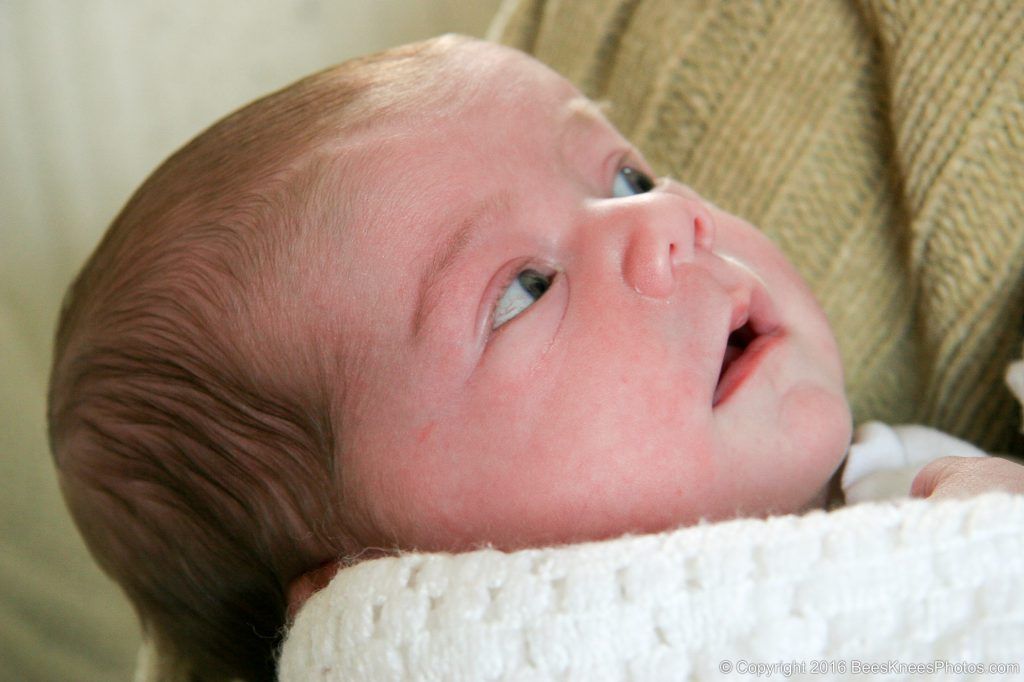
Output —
(968, 476)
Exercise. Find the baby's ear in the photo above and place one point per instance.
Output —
(308, 584)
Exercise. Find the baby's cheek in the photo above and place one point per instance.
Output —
(817, 422)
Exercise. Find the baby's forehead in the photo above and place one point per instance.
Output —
(476, 70)
(478, 94)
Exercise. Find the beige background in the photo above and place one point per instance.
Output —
(93, 95)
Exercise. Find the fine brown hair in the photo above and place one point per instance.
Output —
(192, 410)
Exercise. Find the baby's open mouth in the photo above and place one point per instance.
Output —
(738, 342)
(753, 329)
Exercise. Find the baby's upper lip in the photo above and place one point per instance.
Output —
(751, 303)
(754, 307)
(740, 313)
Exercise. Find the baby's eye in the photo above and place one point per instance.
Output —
(630, 181)
(528, 286)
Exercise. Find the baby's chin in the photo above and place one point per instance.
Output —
(820, 426)
(819, 422)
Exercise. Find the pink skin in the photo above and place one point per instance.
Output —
(951, 477)
(594, 412)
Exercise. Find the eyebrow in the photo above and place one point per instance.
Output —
(583, 120)
(448, 252)
(588, 110)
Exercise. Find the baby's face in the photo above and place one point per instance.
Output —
(539, 346)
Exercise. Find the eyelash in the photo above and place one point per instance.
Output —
(626, 162)
(498, 290)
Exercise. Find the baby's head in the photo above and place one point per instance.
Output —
(431, 300)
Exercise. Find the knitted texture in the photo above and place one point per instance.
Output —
(915, 583)
(879, 143)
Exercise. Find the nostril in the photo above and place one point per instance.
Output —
(704, 232)
(648, 267)
(679, 252)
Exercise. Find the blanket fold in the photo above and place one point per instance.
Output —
(915, 582)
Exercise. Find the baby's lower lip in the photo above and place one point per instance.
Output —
(739, 369)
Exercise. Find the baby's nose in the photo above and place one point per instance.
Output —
(664, 237)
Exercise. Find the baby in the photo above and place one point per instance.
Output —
(430, 299)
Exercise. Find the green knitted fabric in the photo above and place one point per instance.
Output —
(880, 143)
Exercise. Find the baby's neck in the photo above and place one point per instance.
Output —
(832, 495)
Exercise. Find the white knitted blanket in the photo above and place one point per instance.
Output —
(818, 596)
